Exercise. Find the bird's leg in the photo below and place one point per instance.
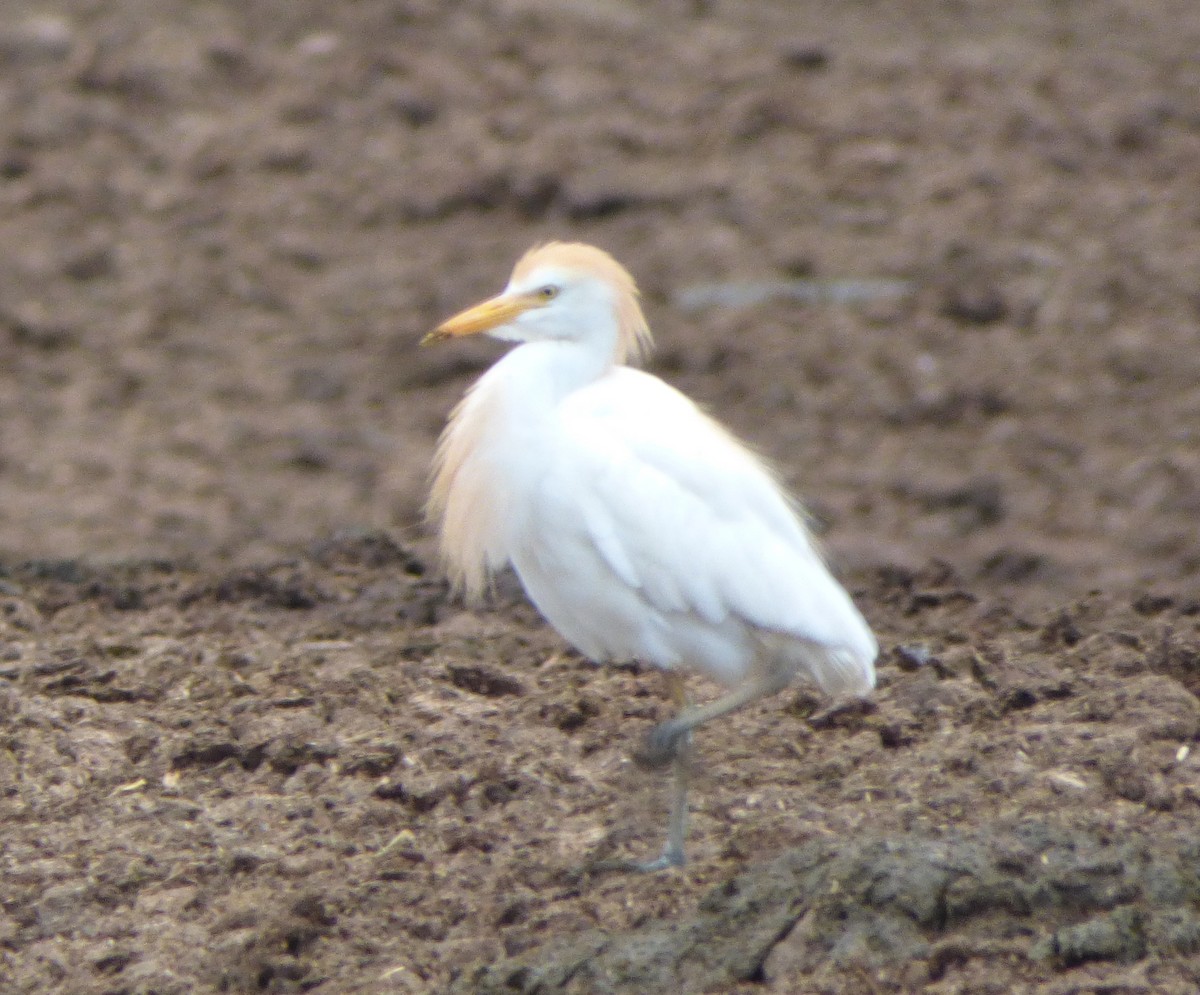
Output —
(664, 741)
(671, 741)
(672, 855)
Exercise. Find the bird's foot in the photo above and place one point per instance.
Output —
(661, 746)
(671, 857)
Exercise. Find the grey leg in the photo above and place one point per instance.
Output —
(666, 738)
(672, 855)
(671, 742)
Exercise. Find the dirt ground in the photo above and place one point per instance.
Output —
(251, 745)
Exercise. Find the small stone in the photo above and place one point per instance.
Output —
(1064, 782)
(319, 44)
(912, 657)
(975, 304)
(805, 55)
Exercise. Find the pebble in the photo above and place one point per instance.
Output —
(319, 44)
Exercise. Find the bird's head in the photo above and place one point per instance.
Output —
(562, 291)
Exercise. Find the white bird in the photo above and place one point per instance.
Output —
(640, 528)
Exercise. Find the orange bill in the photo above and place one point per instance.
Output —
(481, 318)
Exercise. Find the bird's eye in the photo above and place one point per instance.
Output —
(548, 292)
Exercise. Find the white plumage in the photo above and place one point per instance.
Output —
(640, 527)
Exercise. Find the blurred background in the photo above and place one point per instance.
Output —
(940, 261)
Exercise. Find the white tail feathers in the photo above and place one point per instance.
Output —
(842, 673)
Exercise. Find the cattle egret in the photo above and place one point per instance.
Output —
(640, 528)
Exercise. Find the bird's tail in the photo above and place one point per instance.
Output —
(840, 672)
(843, 673)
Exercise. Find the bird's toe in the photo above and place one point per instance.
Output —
(670, 858)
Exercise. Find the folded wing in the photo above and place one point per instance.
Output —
(682, 512)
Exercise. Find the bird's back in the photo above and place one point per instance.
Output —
(654, 534)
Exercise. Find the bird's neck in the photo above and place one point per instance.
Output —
(542, 374)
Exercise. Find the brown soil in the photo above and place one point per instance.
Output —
(251, 745)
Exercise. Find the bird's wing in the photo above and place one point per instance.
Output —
(685, 514)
